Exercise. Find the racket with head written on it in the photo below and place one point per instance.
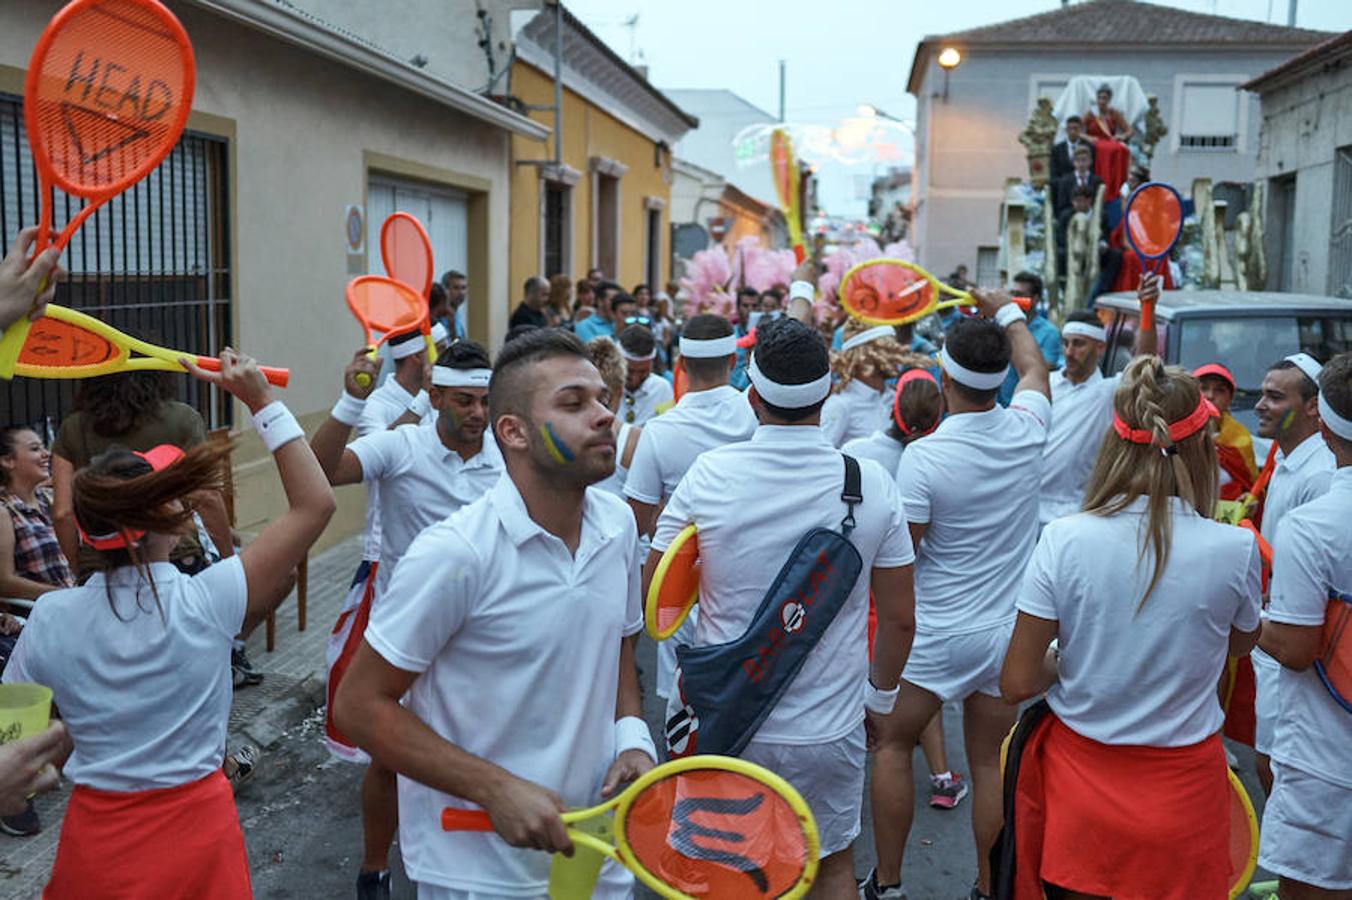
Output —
(107, 93)
(1154, 217)
(384, 306)
(896, 292)
(674, 587)
(406, 252)
(1334, 663)
(66, 343)
(704, 826)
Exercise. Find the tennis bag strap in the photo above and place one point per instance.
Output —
(724, 691)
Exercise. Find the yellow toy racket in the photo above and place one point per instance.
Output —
(675, 586)
(895, 292)
(1243, 837)
(700, 827)
(65, 343)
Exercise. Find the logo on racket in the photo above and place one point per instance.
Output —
(687, 830)
(682, 724)
(793, 615)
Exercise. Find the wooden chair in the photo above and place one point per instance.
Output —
(222, 435)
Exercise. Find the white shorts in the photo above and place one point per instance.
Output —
(829, 776)
(666, 654)
(615, 883)
(1266, 703)
(1307, 829)
(956, 666)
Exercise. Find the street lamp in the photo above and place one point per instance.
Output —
(949, 58)
(869, 111)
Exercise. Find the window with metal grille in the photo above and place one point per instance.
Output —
(153, 262)
(1340, 236)
(1208, 116)
(556, 228)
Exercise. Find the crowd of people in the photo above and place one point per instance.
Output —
(1021, 523)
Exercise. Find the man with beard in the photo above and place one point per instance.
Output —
(521, 610)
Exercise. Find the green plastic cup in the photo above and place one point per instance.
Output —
(575, 878)
(25, 710)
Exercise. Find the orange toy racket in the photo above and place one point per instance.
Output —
(675, 586)
(1154, 222)
(108, 91)
(704, 826)
(385, 306)
(66, 343)
(895, 292)
(406, 252)
(1243, 837)
(784, 169)
(1334, 665)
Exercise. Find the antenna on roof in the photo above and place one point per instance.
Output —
(632, 24)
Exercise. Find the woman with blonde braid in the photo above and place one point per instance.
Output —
(860, 403)
(1121, 787)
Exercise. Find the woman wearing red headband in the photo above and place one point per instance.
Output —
(1121, 787)
(1234, 444)
(138, 660)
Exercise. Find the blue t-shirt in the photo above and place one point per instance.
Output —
(594, 326)
(1048, 341)
(740, 379)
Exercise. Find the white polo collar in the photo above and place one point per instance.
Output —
(791, 435)
(1304, 452)
(520, 527)
(708, 397)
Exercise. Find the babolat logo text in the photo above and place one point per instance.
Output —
(793, 616)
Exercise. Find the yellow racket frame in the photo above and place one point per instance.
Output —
(610, 841)
(963, 298)
(1242, 883)
(664, 564)
(154, 358)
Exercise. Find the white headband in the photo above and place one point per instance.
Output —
(445, 376)
(414, 344)
(977, 381)
(1084, 329)
(1307, 364)
(709, 348)
(787, 396)
(439, 333)
(636, 357)
(1336, 423)
(876, 333)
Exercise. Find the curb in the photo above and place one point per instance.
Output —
(284, 712)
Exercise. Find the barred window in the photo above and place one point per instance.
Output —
(153, 262)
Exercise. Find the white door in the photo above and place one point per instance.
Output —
(442, 211)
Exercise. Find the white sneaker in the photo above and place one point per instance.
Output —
(869, 890)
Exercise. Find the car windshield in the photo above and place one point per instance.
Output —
(1248, 346)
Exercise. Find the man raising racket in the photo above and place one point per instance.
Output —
(1307, 824)
(424, 473)
(508, 629)
(813, 734)
(1288, 413)
(970, 491)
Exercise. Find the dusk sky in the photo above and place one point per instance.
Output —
(840, 54)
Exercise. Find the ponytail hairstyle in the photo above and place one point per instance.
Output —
(918, 405)
(119, 493)
(1151, 397)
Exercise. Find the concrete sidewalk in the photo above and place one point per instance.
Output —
(293, 686)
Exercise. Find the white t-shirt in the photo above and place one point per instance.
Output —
(1312, 556)
(421, 482)
(880, 447)
(517, 642)
(975, 482)
(747, 528)
(385, 404)
(614, 483)
(643, 403)
(699, 421)
(1081, 414)
(856, 411)
(146, 699)
(1133, 674)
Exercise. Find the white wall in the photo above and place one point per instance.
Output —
(722, 114)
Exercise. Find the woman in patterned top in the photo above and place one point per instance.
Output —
(31, 561)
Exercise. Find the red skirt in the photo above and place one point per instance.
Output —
(1127, 822)
(180, 842)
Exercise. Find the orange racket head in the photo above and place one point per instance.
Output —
(718, 832)
(108, 91)
(1243, 837)
(66, 348)
(385, 306)
(887, 292)
(1334, 665)
(674, 587)
(784, 168)
(1154, 219)
(680, 381)
(406, 252)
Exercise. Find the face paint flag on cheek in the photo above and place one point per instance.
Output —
(555, 445)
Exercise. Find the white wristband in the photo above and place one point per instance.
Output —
(276, 426)
(348, 409)
(631, 733)
(879, 701)
(421, 405)
(802, 290)
(1008, 315)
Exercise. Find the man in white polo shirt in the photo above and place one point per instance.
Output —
(970, 492)
(814, 734)
(425, 473)
(644, 392)
(709, 414)
(1307, 823)
(1288, 413)
(1082, 405)
(508, 628)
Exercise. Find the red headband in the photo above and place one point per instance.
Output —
(1183, 428)
(906, 377)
